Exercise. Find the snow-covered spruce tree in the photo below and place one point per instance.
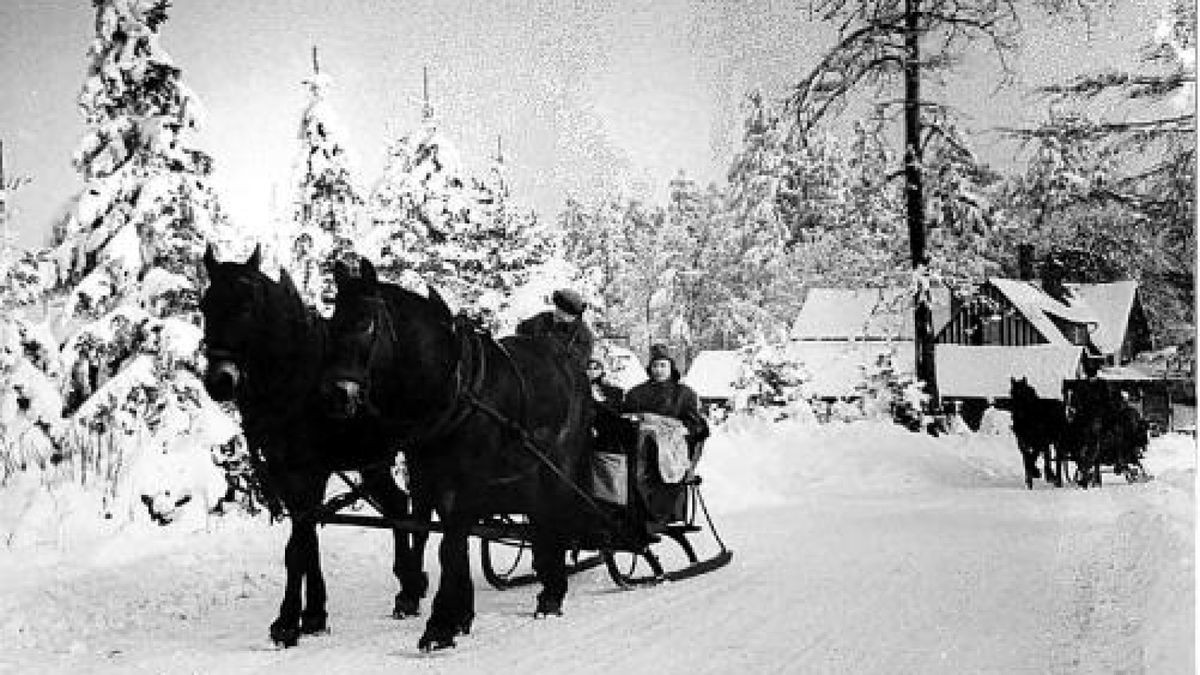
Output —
(760, 232)
(431, 223)
(130, 254)
(516, 244)
(323, 224)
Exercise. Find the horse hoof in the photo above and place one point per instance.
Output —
(432, 642)
(285, 636)
(548, 607)
(311, 625)
(406, 607)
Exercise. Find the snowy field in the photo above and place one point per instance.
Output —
(859, 548)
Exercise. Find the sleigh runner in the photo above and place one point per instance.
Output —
(642, 516)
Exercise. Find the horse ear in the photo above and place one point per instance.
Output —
(255, 258)
(439, 302)
(210, 260)
(289, 286)
(367, 271)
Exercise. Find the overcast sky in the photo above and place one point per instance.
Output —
(587, 96)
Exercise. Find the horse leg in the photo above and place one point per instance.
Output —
(453, 604)
(285, 630)
(549, 563)
(1030, 462)
(407, 563)
(303, 493)
(1047, 469)
(314, 619)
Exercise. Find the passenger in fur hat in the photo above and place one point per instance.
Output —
(664, 394)
(564, 323)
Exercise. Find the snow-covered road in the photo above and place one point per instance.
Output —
(857, 550)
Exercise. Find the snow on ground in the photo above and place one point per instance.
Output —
(859, 548)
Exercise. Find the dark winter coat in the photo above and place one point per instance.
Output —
(608, 395)
(575, 336)
(673, 399)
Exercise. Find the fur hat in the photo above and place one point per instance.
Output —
(569, 301)
(660, 351)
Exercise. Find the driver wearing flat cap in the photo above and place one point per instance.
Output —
(565, 324)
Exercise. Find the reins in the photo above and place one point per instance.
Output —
(470, 370)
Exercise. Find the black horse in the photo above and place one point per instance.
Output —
(488, 427)
(1039, 425)
(265, 351)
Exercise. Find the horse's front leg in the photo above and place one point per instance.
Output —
(408, 560)
(285, 630)
(454, 604)
(1029, 460)
(315, 618)
(550, 565)
(302, 561)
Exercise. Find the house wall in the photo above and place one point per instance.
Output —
(973, 324)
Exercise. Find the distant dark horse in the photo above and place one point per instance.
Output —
(462, 405)
(1039, 424)
(265, 350)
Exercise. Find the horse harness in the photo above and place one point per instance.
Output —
(469, 371)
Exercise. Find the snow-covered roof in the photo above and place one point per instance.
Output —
(1111, 305)
(836, 368)
(858, 313)
(969, 371)
(713, 374)
(1037, 306)
(1104, 308)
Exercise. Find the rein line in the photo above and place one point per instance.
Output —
(470, 341)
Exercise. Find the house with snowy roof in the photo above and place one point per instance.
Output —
(842, 333)
(1049, 331)
(722, 377)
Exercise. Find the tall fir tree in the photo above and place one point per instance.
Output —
(130, 251)
(147, 205)
(324, 220)
(432, 223)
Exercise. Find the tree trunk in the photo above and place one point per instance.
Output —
(914, 196)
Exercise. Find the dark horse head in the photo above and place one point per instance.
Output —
(380, 328)
(248, 319)
(1021, 392)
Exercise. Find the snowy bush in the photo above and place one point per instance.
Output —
(779, 382)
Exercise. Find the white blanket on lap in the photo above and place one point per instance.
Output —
(671, 438)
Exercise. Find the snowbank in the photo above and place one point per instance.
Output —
(750, 462)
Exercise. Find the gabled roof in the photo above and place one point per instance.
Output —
(1104, 308)
(1037, 306)
(1111, 304)
(713, 374)
(864, 313)
(965, 371)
